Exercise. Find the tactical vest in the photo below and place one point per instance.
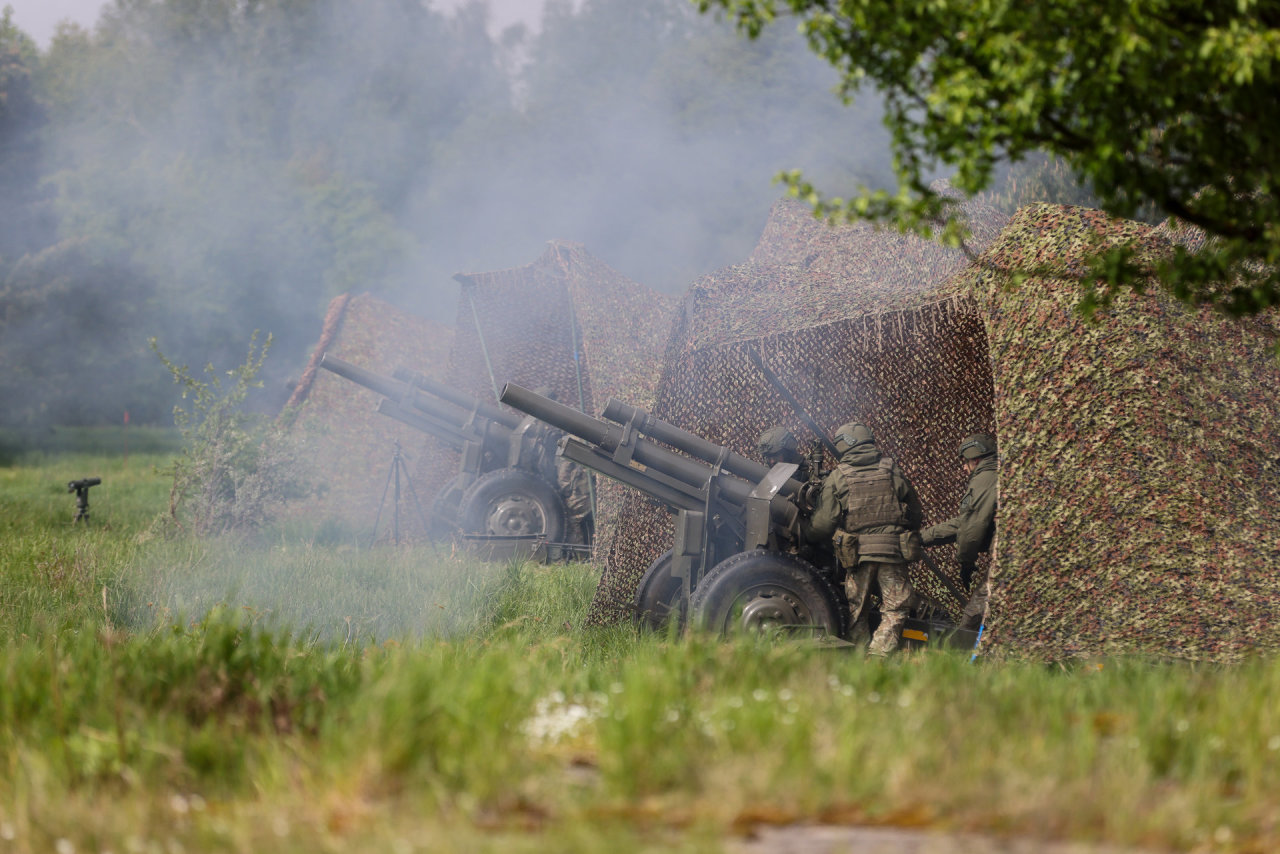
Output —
(871, 501)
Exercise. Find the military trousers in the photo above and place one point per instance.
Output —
(895, 602)
(975, 610)
(575, 489)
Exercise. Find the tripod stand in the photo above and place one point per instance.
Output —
(398, 466)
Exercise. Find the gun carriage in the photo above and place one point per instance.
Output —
(504, 499)
(738, 561)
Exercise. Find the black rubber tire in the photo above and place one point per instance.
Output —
(762, 590)
(443, 521)
(514, 503)
(660, 595)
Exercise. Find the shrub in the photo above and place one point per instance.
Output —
(237, 468)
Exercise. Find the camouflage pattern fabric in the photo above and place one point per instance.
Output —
(350, 443)
(856, 322)
(566, 321)
(1138, 477)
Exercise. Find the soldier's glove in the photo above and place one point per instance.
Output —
(966, 575)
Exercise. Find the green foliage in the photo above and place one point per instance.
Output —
(509, 727)
(1154, 106)
(237, 469)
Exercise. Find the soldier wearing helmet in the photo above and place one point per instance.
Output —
(869, 511)
(779, 445)
(572, 481)
(973, 529)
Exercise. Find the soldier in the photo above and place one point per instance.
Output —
(866, 507)
(571, 480)
(974, 529)
(779, 445)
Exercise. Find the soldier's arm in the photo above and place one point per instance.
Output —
(826, 516)
(911, 501)
(977, 521)
(942, 533)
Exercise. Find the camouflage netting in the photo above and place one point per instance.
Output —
(1139, 491)
(350, 442)
(856, 322)
(568, 322)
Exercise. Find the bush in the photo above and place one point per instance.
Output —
(237, 468)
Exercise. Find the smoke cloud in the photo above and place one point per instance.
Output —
(211, 169)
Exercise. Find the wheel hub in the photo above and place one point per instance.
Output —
(516, 516)
(772, 608)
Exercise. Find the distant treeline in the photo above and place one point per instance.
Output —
(195, 170)
(198, 169)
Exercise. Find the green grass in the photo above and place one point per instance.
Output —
(284, 693)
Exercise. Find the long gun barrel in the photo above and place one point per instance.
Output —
(458, 398)
(448, 409)
(616, 445)
(692, 444)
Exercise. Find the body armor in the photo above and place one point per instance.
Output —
(871, 501)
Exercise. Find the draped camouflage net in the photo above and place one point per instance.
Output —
(857, 324)
(337, 420)
(1139, 485)
(567, 322)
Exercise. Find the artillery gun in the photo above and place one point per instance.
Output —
(503, 500)
(737, 561)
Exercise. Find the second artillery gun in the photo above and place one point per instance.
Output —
(504, 498)
(737, 562)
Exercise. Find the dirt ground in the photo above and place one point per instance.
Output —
(816, 839)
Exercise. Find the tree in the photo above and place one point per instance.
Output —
(23, 224)
(1162, 104)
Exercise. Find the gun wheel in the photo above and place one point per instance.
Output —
(506, 512)
(660, 596)
(770, 592)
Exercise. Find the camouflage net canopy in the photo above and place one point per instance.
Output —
(567, 322)
(351, 444)
(857, 324)
(1139, 486)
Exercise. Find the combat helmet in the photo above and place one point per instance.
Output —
(776, 442)
(852, 435)
(977, 446)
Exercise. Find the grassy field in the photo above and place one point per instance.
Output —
(277, 693)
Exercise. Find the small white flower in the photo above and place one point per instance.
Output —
(1272, 744)
(9, 833)
(873, 697)
(64, 846)
(759, 695)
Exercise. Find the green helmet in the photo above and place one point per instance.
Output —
(776, 441)
(977, 446)
(852, 435)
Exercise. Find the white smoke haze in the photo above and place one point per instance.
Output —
(212, 172)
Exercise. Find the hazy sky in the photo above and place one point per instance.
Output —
(37, 18)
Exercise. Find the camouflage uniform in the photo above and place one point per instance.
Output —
(866, 505)
(572, 481)
(973, 530)
(575, 488)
